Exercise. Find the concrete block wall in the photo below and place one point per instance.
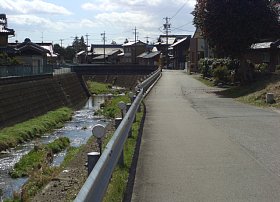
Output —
(24, 100)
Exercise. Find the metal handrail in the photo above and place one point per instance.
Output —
(96, 184)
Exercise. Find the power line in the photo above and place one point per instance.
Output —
(182, 25)
(178, 11)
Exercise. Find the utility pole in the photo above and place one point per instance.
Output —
(87, 46)
(104, 39)
(147, 39)
(166, 27)
(135, 41)
(42, 37)
(61, 42)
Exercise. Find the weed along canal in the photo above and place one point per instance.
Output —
(78, 130)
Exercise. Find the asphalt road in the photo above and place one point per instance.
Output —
(199, 147)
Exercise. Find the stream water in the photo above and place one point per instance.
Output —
(78, 130)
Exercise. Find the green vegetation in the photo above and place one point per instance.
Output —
(5, 60)
(19, 133)
(253, 93)
(117, 186)
(230, 29)
(39, 157)
(42, 177)
(221, 70)
(111, 109)
(99, 88)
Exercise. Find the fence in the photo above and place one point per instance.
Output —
(96, 185)
(13, 71)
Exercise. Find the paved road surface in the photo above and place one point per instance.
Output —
(198, 147)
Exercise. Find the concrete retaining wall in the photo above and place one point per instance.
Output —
(24, 100)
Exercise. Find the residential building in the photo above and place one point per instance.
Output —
(132, 50)
(265, 52)
(4, 34)
(164, 45)
(111, 57)
(151, 57)
(34, 56)
(100, 53)
(199, 48)
(180, 52)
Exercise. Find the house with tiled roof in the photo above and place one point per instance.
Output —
(132, 50)
(150, 57)
(265, 52)
(180, 52)
(33, 56)
(4, 34)
(95, 54)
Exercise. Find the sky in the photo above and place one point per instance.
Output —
(59, 21)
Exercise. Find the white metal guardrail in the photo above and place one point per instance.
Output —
(96, 185)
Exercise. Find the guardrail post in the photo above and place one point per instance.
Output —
(92, 160)
(121, 159)
(128, 105)
(139, 108)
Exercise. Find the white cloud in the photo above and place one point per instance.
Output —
(191, 3)
(40, 23)
(126, 19)
(32, 20)
(103, 6)
(88, 23)
(34, 6)
(117, 5)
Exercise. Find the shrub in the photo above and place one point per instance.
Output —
(222, 69)
(205, 66)
(262, 68)
(221, 74)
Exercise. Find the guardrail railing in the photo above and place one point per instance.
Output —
(96, 184)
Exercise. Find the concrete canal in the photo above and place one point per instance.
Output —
(78, 130)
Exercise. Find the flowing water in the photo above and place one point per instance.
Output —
(78, 130)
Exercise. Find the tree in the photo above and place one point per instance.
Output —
(79, 44)
(232, 26)
(58, 49)
(69, 54)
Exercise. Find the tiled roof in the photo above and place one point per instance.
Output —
(28, 44)
(131, 43)
(5, 30)
(180, 41)
(148, 55)
(264, 45)
(100, 51)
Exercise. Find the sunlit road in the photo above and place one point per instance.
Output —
(199, 147)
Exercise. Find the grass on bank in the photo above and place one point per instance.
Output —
(39, 179)
(99, 88)
(117, 186)
(254, 93)
(39, 157)
(110, 107)
(19, 133)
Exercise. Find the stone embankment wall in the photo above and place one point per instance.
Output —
(20, 101)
